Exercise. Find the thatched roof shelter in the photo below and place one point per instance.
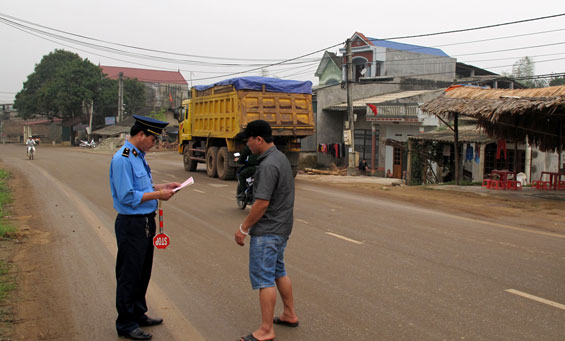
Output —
(467, 134)
(538, 114)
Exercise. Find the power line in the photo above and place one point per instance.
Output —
(475, 28)
(4, 20)
(128, 53)
(135, 47)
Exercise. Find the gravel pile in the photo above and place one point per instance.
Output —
(111, 144)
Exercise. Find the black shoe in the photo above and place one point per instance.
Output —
(136, 334)
(148, 322)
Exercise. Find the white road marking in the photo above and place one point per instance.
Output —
(218, 185)
(535, 298)
(199, 191)
(302, 221)
(344, 238)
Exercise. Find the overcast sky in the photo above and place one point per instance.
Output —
(248, 34)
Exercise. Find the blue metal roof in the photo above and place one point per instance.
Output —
(407, 47)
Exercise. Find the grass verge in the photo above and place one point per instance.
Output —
(7, 230)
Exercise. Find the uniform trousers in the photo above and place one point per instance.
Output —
(134, 234)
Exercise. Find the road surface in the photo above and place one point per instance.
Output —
(363, 266)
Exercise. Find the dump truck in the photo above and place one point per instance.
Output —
(210, 120)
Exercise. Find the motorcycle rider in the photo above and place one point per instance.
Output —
(249, 167)
(30, 143)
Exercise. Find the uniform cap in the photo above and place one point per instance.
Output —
(149, 125)
(256, 128)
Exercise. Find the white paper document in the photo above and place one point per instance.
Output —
(188, 181)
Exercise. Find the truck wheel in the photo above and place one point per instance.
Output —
(189, 164)
(225, 172)
(211, 160)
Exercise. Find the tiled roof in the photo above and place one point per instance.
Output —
(144, 75)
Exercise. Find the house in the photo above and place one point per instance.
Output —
(396, 78)
(163, 89)
(330, 69)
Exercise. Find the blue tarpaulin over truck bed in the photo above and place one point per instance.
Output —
(271, 85)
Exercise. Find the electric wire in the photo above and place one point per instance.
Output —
(262, 66)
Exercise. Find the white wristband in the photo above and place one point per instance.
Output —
(242, 232)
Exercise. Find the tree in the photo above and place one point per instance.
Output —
(134, 96)
(557, 81)
(60, 85)
(63, 83)
(523, 71)
(106, 101)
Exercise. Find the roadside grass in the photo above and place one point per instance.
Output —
(6, 229)
(7, 277)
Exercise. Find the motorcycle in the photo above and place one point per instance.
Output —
(87, 144)
(31, 152)
(247, 195)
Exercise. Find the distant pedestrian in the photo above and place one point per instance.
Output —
(269, 224)
(135, 199)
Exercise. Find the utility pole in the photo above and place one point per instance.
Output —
(90, 111)
(120, 97)
(350, 128)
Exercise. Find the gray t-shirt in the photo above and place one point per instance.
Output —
(274, 182)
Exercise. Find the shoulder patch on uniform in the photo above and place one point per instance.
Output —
(126, 152)
(134, 152)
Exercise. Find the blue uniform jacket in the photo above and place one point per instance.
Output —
(130, 177)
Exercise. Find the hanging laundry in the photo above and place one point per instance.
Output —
(500, 146)
(477, 152)
(469, 153)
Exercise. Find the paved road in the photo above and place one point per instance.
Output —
(362, 267)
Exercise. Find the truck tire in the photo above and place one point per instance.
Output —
(225, 172)
(189, 165)
(211, 160)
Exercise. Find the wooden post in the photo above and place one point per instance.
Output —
(456, 147)
(560, 148)
(409, 161)
(373, 147)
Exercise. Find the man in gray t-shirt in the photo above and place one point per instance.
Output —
(269, 223)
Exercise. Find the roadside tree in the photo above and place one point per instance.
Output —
(523, 71)
(557, 81)
(63, 85)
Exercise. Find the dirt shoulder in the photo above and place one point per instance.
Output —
(34, 311)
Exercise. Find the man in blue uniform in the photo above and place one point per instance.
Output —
(135, 199)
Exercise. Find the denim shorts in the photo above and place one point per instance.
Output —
(266, 260)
